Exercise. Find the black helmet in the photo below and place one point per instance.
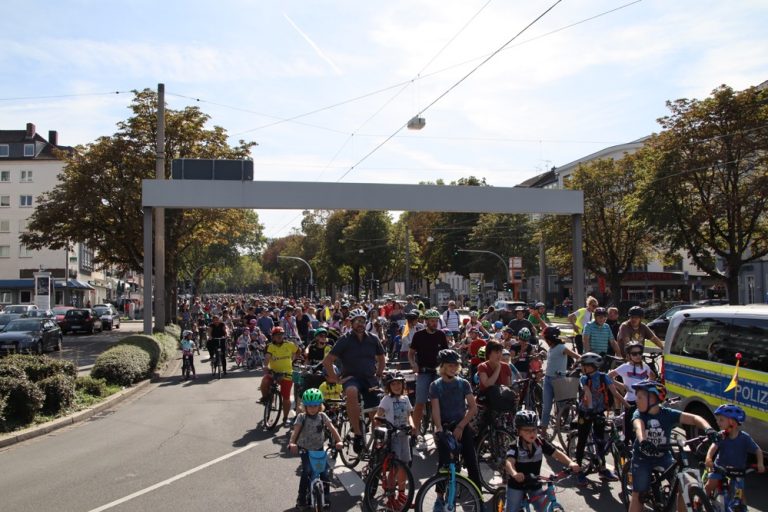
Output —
(391, 377)
(601, 312)
(448, 356)
(412, 314)
(636, 311)
(552, 333)
(526, 418)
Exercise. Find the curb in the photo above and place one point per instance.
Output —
(172, 367)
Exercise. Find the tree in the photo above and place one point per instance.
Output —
(704, 185)
(507, 235)
(366, 238)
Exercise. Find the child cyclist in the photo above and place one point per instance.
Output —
(732, 448)
(632, 372)
(596, 391)
(525, 458)
(396, 408)
(188, 350)
(308, 434)
(653, 426)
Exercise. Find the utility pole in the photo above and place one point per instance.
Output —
(407, 261)
(159, 218)
(542, 272)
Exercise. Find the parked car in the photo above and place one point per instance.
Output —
(40, 313)
(19, 309)
(81, 320)
(30, 336)
(659, 325)
(60, 311)
(110, 319)
(5, 318)
(713, 302)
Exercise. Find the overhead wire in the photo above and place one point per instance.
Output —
(59, 96)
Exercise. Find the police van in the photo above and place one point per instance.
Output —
(700, 353)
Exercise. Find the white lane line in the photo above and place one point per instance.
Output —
(174, 478)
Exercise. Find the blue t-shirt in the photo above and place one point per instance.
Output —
(598, 386)
(733, 452)
(452, 396)
(658, 428)
(600, 337)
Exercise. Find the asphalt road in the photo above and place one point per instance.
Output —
(191, 446)
(83, 349)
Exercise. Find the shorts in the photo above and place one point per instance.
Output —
(285, 387)
(641, 470)
(423, 380)
(369, 399)
(536, 499)
(714, 475)
(401, 446)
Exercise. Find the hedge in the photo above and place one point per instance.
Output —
(37, 367)
(173, 330)
(160, 347)
(91, 386)
(59, 391)
(24, 399)
(123, 364)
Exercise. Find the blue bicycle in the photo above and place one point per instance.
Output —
(318, 461)
(499, 501)
(730, 492)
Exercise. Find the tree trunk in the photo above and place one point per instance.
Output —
(615, 284)
(732, 285)
(356, 282)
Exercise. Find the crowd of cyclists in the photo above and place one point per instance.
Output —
(420, 372)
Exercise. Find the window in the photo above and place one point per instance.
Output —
(5, 201)
(5, 176)
(5, 226)
(24, 252)
(26, 176)
(29, 150)
(750, 289)
(25, 296)
(749, 336)
(86, 259)
(5, 298)
(23, 225)
(25, 201)
(5, 251)
(4, 150)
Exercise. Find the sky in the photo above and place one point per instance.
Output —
(326, 87)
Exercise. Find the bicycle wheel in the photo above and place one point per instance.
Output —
(700, 502)
(590, 452)
(491, 454)
(272, 409)
(426, 420)
(499, 500)
(384, 490)
(567, 412)
(625, 490)
(348, 456)
(219, 363)
(317, 493)
(537, 397)
(434, 492)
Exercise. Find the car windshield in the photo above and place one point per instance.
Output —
(101, 311)
(15, 309)
(22, 325)
(77, 313)
(4, 319)
(61, 311)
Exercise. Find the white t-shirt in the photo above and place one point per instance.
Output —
(396, 409)
(632, 374)
(451, 319)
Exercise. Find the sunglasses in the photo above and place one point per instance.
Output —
(635, 353)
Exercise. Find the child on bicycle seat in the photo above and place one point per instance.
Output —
(524, 458)
(396, 408)
(653, 426)
(733, 448)
(309, 435)
(596, 391)
(188, 350)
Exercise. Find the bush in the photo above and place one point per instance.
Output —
(59, 391)
(24, 399)
(11, 371)
(169, 345)
(123, 365)
(148, 344)
(91, 386)
(173, 330)
(38, 367)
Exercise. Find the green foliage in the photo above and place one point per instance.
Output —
(123, 365)
(23, 400)
(159, 347)
(59, 391)
(37, 367)
(91, 386)
(173, 330)
(12, 371)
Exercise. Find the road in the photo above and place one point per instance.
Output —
(83, 349)
(190, 446)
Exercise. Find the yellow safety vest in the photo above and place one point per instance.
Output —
(580, 315)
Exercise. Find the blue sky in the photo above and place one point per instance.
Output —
(546, 100)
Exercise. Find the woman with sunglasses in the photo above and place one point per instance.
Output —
(633, 371)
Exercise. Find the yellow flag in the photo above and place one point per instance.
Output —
(735, 379)
(406, 330)
(327, 314)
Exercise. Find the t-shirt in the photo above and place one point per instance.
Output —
(597, 383)
(627, 332)
(536, 321)
(331, 391)
(600, 337)
(557, 361)
(658, 428)
(311, 436)
(505, 375)
(265, 324)
(528, 461)
(282, 357)
(358, 357)
(427, 345)
(397, 409)
(515, 325)
(318, 353)
(632, 374)
(476, 345)
(452, 396)
(523, 362)
(733, 452)
(451, 319)
(302, 323)
(187, 345)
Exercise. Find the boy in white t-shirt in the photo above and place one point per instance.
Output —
(633, 371)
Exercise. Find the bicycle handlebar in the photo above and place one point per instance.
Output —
(733, 472)
(391, 427)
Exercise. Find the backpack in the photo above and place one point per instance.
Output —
(608, 397)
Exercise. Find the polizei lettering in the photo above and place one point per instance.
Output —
(754, 395)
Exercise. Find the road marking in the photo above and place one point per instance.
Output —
(173, 478)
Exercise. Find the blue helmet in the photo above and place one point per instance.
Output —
(731, 411)
(498, 324)
(653, 387)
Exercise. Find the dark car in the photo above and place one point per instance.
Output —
(30, 336)
(108, 314)
(81, 320)
(5, 318)
(60, 311)
(659, 325)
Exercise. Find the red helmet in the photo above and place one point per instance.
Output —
(465, 321)
(278, 330)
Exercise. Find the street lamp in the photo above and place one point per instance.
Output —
(506, 267)
(311, 280)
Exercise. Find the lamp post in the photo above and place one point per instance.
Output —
(311, 280)
(506, 268)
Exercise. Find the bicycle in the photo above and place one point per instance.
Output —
(318, 461)
(499, 500)
(493, 441)
(389, 484)
(217, 362)
(273, 402)
(449, 490)
(730, 490)
(613, 443)
(186, 364)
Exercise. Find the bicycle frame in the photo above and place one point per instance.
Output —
(730, 490)
(682, 476)
(318, 461)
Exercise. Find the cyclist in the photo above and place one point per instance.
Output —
(522, 351)
(474, 323)
(525, 458)
(521, 321)
(632, 372)
(319, 348)
(452, 319)
(362, 361)
(279, 358)
(733, 448)
(596, 391)
(557, 364)
(308, 434)
(635, 330)
(188, 350)
(653, 426)
(597, 335)
(217, 338)
(538, 317)
(425, 347)
(579, 319)
(413, 326)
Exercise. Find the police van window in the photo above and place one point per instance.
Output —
(701, 338)
(750, 337)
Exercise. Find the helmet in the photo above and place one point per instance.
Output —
(520, 308)
(448, 356)
(253, 321)
(505, 352)
(412, 314)
(320, 332)
(431, 313)
(526, 418)
(651, 386)
(186, 333)
(486, 324)
(552, 333)
(357, 313)
(731, 411)
(448, 332)
(278, 330)
(312, 396)
(540, 305)
(473, 314)
(524, 333)
(636, 311)
(601, 312)
(498, 324)
(481, 353)
(591, 358)
(465, 321)
(391, 377)
(633, 344)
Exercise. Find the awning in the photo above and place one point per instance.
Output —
(17, 284)
(73, 284)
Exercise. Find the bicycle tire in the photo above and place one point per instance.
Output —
(625, 481)
(319, 493)
(387, 482)
(590, 454)
(567, 412)
(491, 454)
(468, 497)
(348, 456)
(499, 501)
(537, 393)
(426, 420)
(273, 405)
(700, 502)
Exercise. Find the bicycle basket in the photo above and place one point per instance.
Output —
(565, 388)
(318, 460)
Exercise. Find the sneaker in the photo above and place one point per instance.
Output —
(263, 400)
(581, 480)
(607, 475)
(439, 505)
(421, 444)
(301, 505)
(357, 444)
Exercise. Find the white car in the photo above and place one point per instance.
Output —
(19, 309)
(110, 319)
